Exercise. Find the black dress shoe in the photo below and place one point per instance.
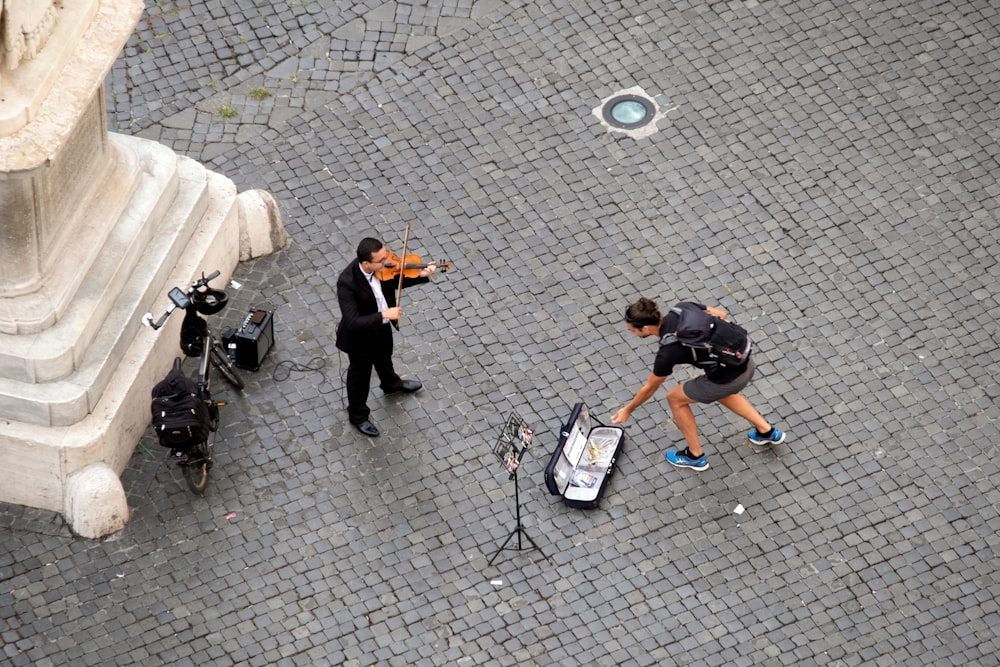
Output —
(367, 428)
(407, 386)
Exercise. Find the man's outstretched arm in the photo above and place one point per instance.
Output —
(653, 382)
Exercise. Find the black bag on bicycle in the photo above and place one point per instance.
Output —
(194, 328)
(180, 416)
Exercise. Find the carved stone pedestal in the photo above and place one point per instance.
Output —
(95, 229)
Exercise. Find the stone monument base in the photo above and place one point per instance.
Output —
(191, 220)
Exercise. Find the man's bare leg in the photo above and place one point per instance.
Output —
(741, 406)
(680, 407)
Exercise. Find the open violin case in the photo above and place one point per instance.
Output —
(584, 459)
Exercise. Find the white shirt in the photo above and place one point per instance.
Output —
(376, 286)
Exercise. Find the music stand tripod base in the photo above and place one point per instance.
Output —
(519, 530)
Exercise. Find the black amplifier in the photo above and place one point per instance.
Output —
(253, 340)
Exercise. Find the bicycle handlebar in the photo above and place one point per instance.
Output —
(147, 319)
(203, 281)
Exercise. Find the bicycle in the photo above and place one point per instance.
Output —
(195, 459)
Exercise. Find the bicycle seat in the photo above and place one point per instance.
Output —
(210, 301)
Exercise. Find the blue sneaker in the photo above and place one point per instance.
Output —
(683, 459)
(775, 438)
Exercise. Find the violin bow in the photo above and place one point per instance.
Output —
(402, 266)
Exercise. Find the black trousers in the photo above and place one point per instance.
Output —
(378, 355)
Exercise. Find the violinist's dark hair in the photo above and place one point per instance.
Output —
(367, 248)
(642, 313)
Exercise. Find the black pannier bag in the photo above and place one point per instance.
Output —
(193, 331)
(180, 416)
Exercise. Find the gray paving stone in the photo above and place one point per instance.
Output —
(824, 172)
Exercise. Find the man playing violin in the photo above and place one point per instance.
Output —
(367, 307)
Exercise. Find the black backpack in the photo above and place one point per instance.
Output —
(727, 343)
(181, 417)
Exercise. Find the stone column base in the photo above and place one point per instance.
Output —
(197, 223)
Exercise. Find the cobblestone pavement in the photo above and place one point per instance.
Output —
(826, 171)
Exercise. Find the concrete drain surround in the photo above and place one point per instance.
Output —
(631, 112)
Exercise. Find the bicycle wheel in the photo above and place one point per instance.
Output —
(197, 467)
(226, 367)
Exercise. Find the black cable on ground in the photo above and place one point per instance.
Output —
(284, 369)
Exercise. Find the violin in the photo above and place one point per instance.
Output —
(411, 265)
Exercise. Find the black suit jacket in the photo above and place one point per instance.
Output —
(359, 314)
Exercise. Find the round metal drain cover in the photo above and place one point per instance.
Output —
(628, 111)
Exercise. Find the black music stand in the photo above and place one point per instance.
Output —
(510, 448)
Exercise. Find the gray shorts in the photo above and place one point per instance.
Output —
(703, 390)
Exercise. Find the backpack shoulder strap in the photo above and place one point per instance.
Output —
(672, 336)
(694, 324)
